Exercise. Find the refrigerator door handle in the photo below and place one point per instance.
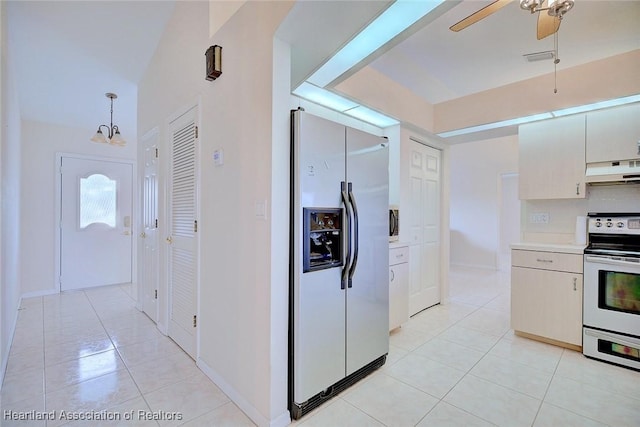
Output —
(346, 230)
(354, 207)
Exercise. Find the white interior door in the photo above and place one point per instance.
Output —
(183, 242)
(424, 227)
(148, 268)
(95, 220)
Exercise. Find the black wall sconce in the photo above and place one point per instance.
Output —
(214, 62)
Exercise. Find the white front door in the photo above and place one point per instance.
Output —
(183, 228)
(424, 227)
(95, 221)
(149, 267)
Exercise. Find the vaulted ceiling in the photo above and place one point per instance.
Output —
(68, 54)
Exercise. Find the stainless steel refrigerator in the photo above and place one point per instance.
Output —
(339, 258)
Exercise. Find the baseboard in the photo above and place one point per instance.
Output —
(283, 420)
(162, 328)
(573, 347)
(479, 266)
(237, 398)
(9, 343)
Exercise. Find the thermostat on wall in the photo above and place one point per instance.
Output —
(218, 157)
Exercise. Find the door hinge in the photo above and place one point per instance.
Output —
(156, 294)
(156, 222)
(195, 226)
(196, 132)
(156, 153)
(195, 321)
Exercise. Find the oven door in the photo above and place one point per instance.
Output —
(614, 348)
(612, 293)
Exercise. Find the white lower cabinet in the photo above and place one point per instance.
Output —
(398, 286)
(546, 295)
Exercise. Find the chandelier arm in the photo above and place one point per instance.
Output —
(109, 130)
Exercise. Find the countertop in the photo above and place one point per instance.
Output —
(550, 247)
(393, 245)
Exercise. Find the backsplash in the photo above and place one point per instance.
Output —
(562, 214)
(614, 198)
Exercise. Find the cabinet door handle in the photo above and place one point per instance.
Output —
(393, 275)
(577, 189)
(575, 283)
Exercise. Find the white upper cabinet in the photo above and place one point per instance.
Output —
(613, 134)
(552, 159)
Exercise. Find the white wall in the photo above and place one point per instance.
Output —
(475, 200)
(10, 198)
(245, 113)
(40, 143)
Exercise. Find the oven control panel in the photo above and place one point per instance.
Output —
(614, 224)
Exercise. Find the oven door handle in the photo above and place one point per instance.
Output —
(612, 261)
(607, 337)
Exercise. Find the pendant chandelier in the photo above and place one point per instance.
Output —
(113, 136)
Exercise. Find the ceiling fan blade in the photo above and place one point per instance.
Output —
(547, 24)
(481, 14)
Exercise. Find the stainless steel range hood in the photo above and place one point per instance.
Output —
(617, 171)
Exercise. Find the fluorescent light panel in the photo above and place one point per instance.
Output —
(543, 116)
(336, 102)
(370, 116)
(397, 18)
(496, 125)
(323, 97)
(596, 106)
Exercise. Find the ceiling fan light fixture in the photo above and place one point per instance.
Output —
(540, 56)
(530, 5)
(560, 7)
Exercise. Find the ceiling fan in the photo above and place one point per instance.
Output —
(548, 23)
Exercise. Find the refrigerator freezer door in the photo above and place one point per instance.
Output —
(368, 297)
(318, 300)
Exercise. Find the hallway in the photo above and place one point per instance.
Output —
(93, 350)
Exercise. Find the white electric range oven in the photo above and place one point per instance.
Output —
(611, 312)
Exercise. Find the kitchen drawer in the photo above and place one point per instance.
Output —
(398, 255)
(572, 263)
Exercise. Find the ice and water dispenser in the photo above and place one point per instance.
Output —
(322, 239)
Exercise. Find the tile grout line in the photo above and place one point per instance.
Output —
(548, 387)
(116, 349)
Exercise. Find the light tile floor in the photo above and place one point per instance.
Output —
(452, 365)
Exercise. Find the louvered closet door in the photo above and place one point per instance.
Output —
(183, 255)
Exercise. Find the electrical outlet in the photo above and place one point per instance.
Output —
(539, 218)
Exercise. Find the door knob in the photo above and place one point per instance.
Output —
(169, 240)
(143, 234)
